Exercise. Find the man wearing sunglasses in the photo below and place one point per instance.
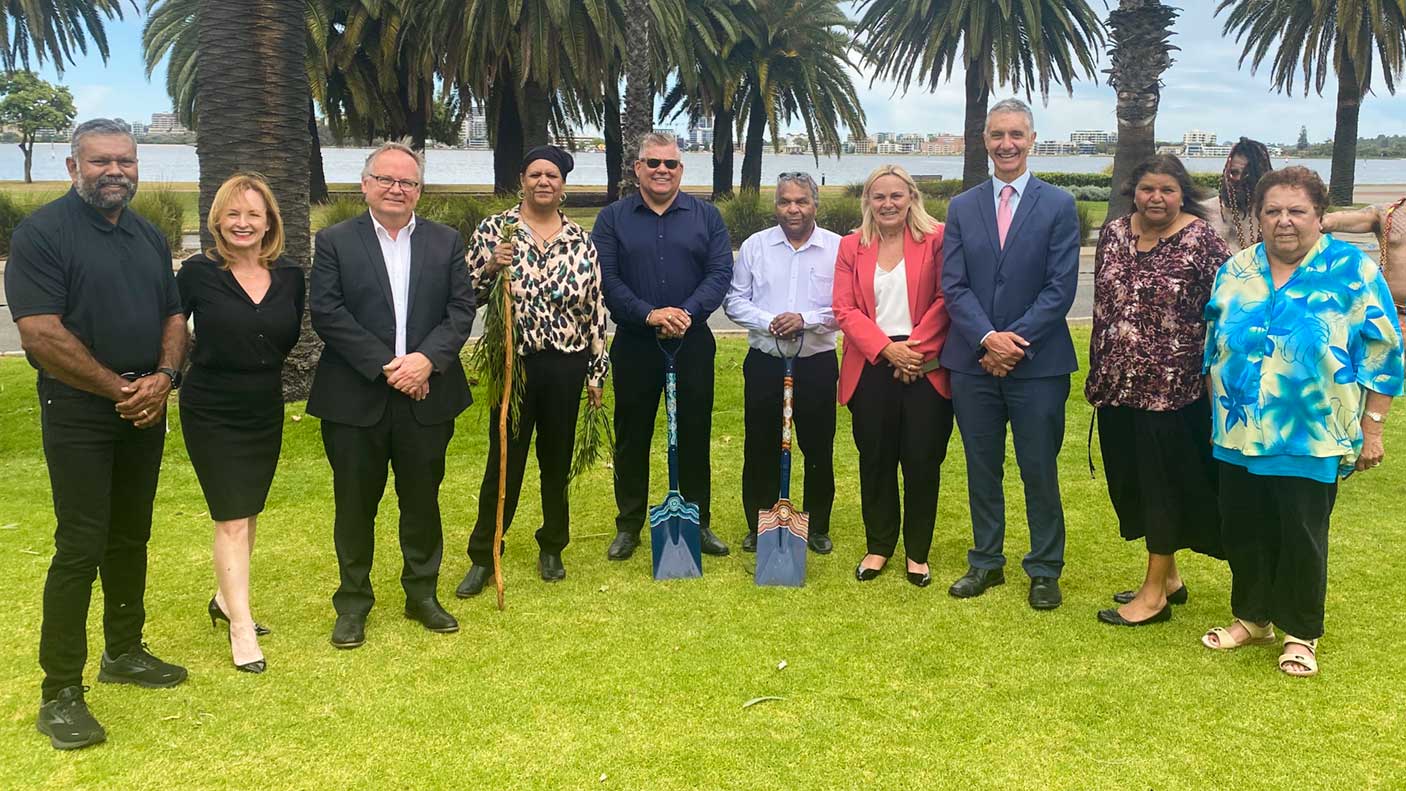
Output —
(666, 262)
(390, 298)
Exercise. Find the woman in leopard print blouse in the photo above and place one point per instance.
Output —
(560, 312)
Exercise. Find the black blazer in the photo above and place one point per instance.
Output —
(351, 308)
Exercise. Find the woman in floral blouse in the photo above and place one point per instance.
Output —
(560, 313)
(1303, 353)
(1152, 276)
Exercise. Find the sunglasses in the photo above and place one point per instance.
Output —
(654, 162)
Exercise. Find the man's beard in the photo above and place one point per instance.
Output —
(92, 194)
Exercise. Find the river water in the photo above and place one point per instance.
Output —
(161, 163)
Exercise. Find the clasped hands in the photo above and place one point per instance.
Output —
(410, 374)
(1003, 351)
(669, 322)
(145, 400)
(907, 362)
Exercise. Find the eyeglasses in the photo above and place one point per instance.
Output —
(654, 162)
(387, 182)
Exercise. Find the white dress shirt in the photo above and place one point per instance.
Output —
(891, 300)
(771, 277)
(397, 254)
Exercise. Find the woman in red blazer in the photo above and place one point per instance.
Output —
(888, 302)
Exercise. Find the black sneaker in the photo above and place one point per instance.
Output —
(67, 721)
(139, 667)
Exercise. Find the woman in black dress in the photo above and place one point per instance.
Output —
(247, 304)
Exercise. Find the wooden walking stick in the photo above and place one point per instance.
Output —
(504, 407)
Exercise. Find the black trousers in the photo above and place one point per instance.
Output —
(550, 403)
(103, 473)
(907, 425)
(813, 416)
(638, 367)
(1275, 531)
(359, 456)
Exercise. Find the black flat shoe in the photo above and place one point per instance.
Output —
(473, 582)
(217, 614)
(1113, 618)
(623, 546)
(749, 541)
(710, 544)
(922, 580)
(550, 567)
(821, 544)
(864, 574)
(1178, 596)
(976, 582)
(431, 615)
(349, 631)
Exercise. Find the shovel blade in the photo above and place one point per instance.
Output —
(674, 539)
(782, 534)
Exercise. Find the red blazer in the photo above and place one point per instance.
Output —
(854, 306)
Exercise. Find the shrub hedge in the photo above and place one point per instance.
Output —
(11, 212)
(745, 213)
(841, 215)
(160, 207)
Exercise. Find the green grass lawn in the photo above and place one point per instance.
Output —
(611, 680)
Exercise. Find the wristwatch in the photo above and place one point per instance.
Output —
(174, 375)
(1375, 417)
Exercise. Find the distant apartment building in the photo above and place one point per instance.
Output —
(944, 145)
(1055, 148)
(700, 133)
(166, 124)
(1095, 137)
(863, 145)
(474, 133)
(1197, 137)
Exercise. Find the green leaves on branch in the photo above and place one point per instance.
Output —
(489, 357)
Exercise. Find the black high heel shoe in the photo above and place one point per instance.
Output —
(256, 667)
(216, 614)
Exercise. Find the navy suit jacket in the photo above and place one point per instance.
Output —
(1026, 288)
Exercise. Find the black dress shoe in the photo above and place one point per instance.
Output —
(709, 542)
(349, 632)
(431, 615)
(976, 581)
(67, 721)
(821, 544)
(1044, 593)
(1113, 617)
(473, 582)
(623, 546)
(139, 667)
(749, 541)
(1178, 596)
(549, 566)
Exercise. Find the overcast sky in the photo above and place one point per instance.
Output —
(1204, 90)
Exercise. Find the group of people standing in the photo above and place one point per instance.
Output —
(1231, 392)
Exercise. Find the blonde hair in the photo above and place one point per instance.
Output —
(233, 188)
(920, 223)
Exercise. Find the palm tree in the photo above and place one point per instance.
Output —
(1316, 34)
(638, 118)
(54, 29)
(798, 70)
(999, 42)
(1140, 31)
(263, 124)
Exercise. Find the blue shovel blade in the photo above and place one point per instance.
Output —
(781, 549)
(674, 539)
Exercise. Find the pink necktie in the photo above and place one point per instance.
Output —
(1003, 214)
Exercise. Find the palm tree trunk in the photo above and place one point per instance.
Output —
(317, 177)
(974, 169)
(535, 112)
(507, 139)
(614, 141)
(263, 126)
(723, 150)
(638, 120)
(1344, 173)
(756, 141)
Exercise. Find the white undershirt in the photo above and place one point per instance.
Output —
(891, 300)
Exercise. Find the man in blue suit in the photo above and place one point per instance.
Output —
(1010, 267)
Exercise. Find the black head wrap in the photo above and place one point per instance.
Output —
(552, 154)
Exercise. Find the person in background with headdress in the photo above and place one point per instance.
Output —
(1247, 164)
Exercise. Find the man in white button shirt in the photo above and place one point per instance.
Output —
(391, 300)
(781, 286)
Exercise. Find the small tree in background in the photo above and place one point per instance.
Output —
(1303, 139)
(31, 104)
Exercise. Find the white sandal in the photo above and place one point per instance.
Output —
(1308, 659)
(1225, 641)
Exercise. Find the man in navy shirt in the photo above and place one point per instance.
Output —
(666, 262)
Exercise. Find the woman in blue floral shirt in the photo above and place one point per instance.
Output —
(1303, 357)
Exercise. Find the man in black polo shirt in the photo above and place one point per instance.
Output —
(92, 293)
(666, 263)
